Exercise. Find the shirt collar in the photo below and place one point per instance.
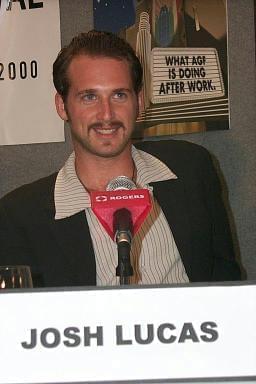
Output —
(71, 197)
(150, 169)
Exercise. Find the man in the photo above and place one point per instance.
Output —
(49, 224)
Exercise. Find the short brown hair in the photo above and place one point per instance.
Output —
(95, 43)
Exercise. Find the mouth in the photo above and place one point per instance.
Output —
(106, 129)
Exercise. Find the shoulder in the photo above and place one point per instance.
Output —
(32, 195)
(179, 155)
(166, 148)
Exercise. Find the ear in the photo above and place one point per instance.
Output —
(60, 107)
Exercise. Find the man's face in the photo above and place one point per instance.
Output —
(101, 105)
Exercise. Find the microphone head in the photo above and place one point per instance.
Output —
(120, 182)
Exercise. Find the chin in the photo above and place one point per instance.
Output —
(112, 151)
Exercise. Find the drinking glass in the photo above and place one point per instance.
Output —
(15, 276)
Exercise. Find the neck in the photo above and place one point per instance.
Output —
(96, 172)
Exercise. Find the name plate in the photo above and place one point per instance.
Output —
(136, 334)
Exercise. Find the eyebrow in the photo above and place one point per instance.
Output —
(91, 90)
(122, 90)
(94, 90)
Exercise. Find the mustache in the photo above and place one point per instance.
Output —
(113, 124)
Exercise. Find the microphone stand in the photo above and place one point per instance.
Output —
(123, 226)
(124, 268)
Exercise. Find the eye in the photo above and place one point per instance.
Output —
(120, 95)
(87, 97)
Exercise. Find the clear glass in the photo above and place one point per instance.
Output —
(15, 276)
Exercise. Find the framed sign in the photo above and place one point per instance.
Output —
(181, 93)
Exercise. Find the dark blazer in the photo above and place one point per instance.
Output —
(60, 252)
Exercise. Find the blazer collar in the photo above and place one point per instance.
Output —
(171, 197)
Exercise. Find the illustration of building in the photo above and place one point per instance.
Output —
(143, 51)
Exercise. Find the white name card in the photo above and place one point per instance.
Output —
(180, 74)
(128, 334)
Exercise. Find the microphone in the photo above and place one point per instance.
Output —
(122, 208)
(121, 182)
(122, 218)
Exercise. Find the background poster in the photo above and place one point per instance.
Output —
(182, 45)
(29, 41)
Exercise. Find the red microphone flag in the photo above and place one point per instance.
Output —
(105, 204)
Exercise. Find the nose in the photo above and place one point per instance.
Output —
(106, 110)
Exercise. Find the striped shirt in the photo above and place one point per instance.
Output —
(154, 254)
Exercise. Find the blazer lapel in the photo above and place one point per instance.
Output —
(73, 237)
(171, 197)
(73, 240)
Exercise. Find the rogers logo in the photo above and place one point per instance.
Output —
(101, 199)
(127, 197)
